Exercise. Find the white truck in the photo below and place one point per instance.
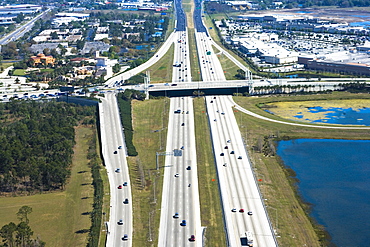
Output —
(246, 238)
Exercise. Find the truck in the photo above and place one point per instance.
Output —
(246, 238)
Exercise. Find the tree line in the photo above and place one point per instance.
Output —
(37, 144)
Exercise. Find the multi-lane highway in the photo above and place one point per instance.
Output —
(180, 210)
(114, 154)
(181, 71)
(242, 203)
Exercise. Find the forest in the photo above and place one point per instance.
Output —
(37, 140)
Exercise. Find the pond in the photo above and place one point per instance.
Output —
(334, 176)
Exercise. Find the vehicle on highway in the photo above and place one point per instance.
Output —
(246, 239)
(222, 154)
(119, 187)
(125, 237)
(176, 215)
(182, 148)
(125, 201)
(119, 147)
(120, 222)
(228, 141)
(188, 168)
(211, 101)
(192, 238)
(250, 213)
(233, 210)
(222, 113)
(183, 223)
(226, 147)
(118, 170)
(177, 175)
(183, 124)
(115, 152)
(240, 157)
(174, 84)
(225, 164)
(241, 210)
(178, 111)
(189, 185)
(232, 152)
(187, 112)
(125, 184)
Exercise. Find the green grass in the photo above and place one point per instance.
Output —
(57, 216)
(148, 116)
(277, 186)
(6, 65)
(162, 70)
(193, 56)
(210, 203)
(46, 70)
(19, 72)
(230, 68)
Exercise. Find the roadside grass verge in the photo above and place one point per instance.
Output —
(6, 65)
(288, 213)
(210, 203)
(193, 56)
(60, 218)
(230, 68)
(162, 70)
(150, 120)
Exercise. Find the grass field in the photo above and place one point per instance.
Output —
(148, 116)
(228, 66)
(287, 212)
(57, 216)
(19, 72)
(193, 56)
(210, 203)
(162, 70)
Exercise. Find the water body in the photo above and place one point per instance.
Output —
(345, 116)
(360, 24)
(334, 176)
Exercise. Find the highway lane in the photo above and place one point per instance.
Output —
(178, 196)
(115, 158)
(181, 70)
(238, 186)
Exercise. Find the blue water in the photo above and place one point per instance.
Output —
(362, 24)
(334, 176)
(345, 116)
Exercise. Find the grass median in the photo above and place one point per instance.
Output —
(161, 71)
(150, 120)
(210, 203)
(288, 213)
(60, 218)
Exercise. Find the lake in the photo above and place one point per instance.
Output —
(334, 176)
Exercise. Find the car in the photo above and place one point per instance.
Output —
(125, 201)
(250, 213)
(125, 184)
(125, 237)
(225, 164)
(119, 187)
(183, 223)
(174, 84)
(241, 210)
(188, 168)
(222, 154)
(182, 148)
(115, 152)
(176, 215)
(177, 175)
(215, 120)
(183, 124)
(119, 147)
(233, 210)
(192, 238)
(214, 97)
(211, 101)
(228, 141)
(120, 222)
(222, 113)
(156, 55)
(232, 152)
(240, 157)
(118, 170)
(226, 147)
(166, 84)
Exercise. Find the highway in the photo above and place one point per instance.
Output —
(115, 158)
(21, 30)
(181, 71)
(180, 186)
(239, 189)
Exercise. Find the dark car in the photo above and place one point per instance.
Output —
(192, 238)
(125, 201)
(120, 222)
(222, 154)
(125, 237)
(183, 124)
(188, 168)
(226, 147)
(119, 187)
(241, 210)
(232, 152)
(176, 215)
(115, 152)
(183, 223)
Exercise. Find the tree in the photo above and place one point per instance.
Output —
(23, 213)
(24, 233)
(7, 232)
(54, 35)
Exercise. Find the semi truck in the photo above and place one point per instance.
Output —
(246, 238)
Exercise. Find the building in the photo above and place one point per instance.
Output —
(95, 46)
(42, 59)
(20, 8)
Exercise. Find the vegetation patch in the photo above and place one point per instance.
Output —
(150, 120)
(162, 70)
(209, 195)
